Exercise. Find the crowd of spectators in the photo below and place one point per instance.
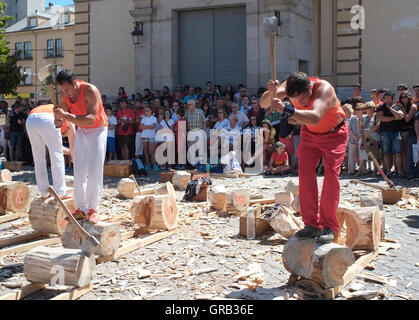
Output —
(387, 126)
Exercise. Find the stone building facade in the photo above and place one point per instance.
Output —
(316, 36)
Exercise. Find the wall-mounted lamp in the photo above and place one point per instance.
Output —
(278, 16)
(138, 32)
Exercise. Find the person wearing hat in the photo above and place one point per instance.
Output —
(390, 116)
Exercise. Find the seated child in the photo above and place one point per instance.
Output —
(279, 163)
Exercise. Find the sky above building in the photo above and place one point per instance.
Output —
(59, 2)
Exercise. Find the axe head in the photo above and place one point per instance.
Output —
(270, 26)
(46, 74)
(88, 245)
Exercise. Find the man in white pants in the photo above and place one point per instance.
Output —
(43, 133)
(80, 103)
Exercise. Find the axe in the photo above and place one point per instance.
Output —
(46, 76)
(270, 28)
(389, 182)
(88, 242)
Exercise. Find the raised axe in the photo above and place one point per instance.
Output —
(46, 76)
(88, 242)
(391, 184)
(270, 29)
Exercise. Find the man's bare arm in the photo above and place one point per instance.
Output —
(275, 90)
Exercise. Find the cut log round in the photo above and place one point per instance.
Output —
(155, 212)
(325, 264)
(363, 228)
(372, 200)
(5, 175)
(237, 202)
(181, 179)
(57, 266)
(217, 197)
(14, 197)
(126, 188)
(165, 188)
(47, 216)
(107, 234)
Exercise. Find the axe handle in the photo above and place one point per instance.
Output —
(391, 184)
(273, 60)
(132, 177)
(67, 212)
(368, 184)
(51, 90)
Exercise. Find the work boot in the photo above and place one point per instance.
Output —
(308, 232)
(326, 235)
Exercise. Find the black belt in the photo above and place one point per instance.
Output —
(331, 131)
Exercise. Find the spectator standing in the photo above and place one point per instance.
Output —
(390, 116)
(111, 144)
(125, 130)
(209, 94)
(408, 132)
(229, 90)
(17, 132)
(121, 94)
(354, 137)
(416, 94)
(190, 96)
(257, 111)
(370, 128)
(148, 126)
(139, 148)
(195, 119)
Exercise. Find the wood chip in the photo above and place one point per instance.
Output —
(205, 270)
(222, 243)
(142, 273)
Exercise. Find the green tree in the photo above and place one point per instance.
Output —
(10, 75)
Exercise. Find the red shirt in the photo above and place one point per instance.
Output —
(126, 115)
(279, 159)
(140, 114)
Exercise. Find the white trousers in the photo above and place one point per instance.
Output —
(43, 133)
(89, 157)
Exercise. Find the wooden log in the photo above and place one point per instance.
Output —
(363, 228)
(372, 200)
(126, 188)
(217, 197)
(155, 212)
(107, 234)
(237, 202)
(5, 175)
(181, 179)
(117, 168)
(165, 188)
(166, 176)
(47, 216)
(284, 222)
(29, 246)
(57, 266)
(284, 198)
(392, 196)
(325, 264)
(262, 201)
(14, 197)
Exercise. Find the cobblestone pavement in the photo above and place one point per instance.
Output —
(204, 256)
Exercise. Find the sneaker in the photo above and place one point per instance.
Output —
(156, 167)
(147, 167)
(326, 235)
(92, 216)
(308, 232)
(78, 215)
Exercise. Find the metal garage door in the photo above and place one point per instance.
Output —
(212, 46)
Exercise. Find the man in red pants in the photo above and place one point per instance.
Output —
(324, 134)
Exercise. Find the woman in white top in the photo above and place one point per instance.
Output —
(148, 125)
(167, 124)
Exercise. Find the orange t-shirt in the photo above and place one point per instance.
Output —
(79, 108)
(48, 108)
(331, 118)
(279, 159)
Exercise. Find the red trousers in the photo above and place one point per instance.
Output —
(332, 148)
